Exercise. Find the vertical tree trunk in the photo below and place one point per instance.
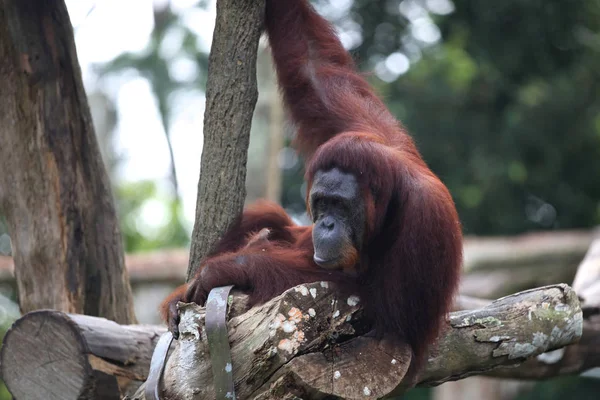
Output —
(54, 189)
(231, 96)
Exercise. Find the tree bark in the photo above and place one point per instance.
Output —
(584, 355)
(53, 355)
(54, 189)
(506, 332)
(231, 95)
(574, 359)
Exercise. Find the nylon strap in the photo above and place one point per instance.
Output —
(157, 366)
(218, 342)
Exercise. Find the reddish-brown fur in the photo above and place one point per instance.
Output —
(409, 263)
(263, 265)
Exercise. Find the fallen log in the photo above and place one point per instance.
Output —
(47, 344)
(307, 343)
(53, 355)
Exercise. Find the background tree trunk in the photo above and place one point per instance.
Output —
(231, 96)
(276, 134)
(54, 190)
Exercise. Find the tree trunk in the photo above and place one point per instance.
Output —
(54, 189)
(231, 95)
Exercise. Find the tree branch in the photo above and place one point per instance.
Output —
(573, 359)
(579, 357)
(506, 332)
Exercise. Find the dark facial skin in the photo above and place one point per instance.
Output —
(339, 217)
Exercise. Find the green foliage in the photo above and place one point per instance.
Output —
(4, 393)
(505, 108)
(567, 387)
(148, 219)
(171, 42)
(5, 246)
(416, 394)
(9, 312)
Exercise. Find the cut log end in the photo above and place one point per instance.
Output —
(362, 368)
(52, 355)
(41, 349)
